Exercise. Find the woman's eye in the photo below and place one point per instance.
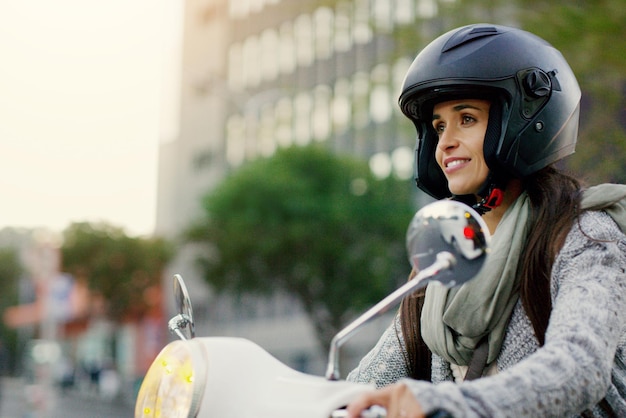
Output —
(439, 127)
(468, 119)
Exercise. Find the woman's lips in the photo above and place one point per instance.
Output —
(453, 164)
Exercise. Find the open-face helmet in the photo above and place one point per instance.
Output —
(535, 101)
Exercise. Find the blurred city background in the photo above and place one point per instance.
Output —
(283, 189)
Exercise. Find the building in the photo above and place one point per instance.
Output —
(261, 74)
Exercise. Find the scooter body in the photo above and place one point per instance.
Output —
(235, 378)
(264, 387)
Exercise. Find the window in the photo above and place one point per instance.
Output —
(303, 34)
(398, 72)
(360, 99)
(362, 32)
(427, 9)
(283, 116)
(269, 50)
(381, 15)
(302, 118)
(380, 95)
(235, 67)
(320, 118)
(404, 12)
(251, 73)
(286, 49)
(323, 19)
(240, 9)
(266, 141)
(343, 35)
(341, 106)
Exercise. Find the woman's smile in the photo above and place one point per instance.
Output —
(454, 163)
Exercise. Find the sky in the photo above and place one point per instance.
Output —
(87, 92)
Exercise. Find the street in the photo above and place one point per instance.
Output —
(72, 404)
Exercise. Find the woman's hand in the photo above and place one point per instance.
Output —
(397, 399)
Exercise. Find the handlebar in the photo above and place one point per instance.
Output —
(380, 412)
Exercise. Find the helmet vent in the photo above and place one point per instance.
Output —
(537, 83)
(469, 34)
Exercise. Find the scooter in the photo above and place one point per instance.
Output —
(226, 377)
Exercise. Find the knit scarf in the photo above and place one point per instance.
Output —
(455, 320)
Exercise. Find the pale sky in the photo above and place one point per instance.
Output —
(87, 91)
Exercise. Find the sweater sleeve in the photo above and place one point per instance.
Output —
(572, 371)
(385, 363)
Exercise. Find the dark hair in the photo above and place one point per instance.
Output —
(555, 206)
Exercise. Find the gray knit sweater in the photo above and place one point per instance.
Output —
(582, 361)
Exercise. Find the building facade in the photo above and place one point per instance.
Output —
(262, 74)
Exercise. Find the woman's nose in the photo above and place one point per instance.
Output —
(447, 139)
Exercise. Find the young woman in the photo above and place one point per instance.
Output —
(542, 330)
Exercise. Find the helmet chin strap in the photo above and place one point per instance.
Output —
(491, 200)
(491, 195)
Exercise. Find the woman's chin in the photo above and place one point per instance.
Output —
(462, 188)
(461, 191)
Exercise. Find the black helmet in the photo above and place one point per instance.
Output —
(535, 98)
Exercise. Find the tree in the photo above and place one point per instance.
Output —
(116, 266)
(592, 37)
(310, 223)
(10, 271)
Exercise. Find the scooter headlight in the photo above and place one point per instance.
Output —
(174, 384)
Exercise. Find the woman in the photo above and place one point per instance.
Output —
(541, 331)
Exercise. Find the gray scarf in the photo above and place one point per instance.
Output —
(455, 320)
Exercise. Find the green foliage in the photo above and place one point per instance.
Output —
(117, 266)
(592, 37)
(10, 272)
(310, 223)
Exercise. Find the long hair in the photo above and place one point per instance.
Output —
(555, 206)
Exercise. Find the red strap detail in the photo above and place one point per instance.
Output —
(495, 198)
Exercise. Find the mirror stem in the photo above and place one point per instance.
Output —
(177, 323)
(444, 260)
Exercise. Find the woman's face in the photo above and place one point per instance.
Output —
(461, 127)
